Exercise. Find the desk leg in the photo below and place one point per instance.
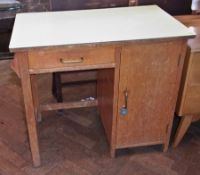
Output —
(35, 98)
(112, 152)
(182, 128)
(29, 108)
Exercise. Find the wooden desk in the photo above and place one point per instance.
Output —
(138, 52)
(188, 106)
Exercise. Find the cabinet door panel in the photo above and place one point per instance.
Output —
(149, 73)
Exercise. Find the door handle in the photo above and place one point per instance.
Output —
(124, 108)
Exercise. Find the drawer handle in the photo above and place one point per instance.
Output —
(70, 61)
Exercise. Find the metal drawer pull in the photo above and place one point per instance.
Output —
(124, 108)
(70, 61)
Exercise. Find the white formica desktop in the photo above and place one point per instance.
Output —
(138, 53)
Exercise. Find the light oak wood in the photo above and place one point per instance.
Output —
(36, 98)
(191, 103)
(115, 100)
(189, 20)
(107, 93)
(194, 77)
(183, 54)
(184, 79)
(143, 60)
(189, 99)
(71, 58)
(151, 78)
(72, 68)
(29, 107)
(68, 105)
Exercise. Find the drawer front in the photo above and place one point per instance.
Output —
(192, 101)
(80, 58)
(189, 98)
(194, 76)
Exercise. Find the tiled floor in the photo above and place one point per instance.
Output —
(72, 142)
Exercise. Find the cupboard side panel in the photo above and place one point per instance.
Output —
(183, 84)
(105, 92)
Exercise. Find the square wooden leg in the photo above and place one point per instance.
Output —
(182, 128)
(112, 153)
(35, 98)
(29, 108)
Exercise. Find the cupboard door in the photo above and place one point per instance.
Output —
(148, 76)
